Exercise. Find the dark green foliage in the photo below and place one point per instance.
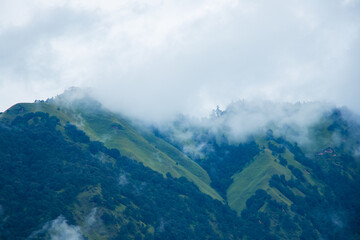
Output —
(333, 214)
(222, 159)
(323, 213)
(269, 135)
(225, 160)
(297, 173)
(276, 149)
(340, 174)
(75, 134)
(338, 123)
(283, 161)
(95, 147)
(43, 173)
(256, 219)
(255, 202)
(114, 153)
(37, 163)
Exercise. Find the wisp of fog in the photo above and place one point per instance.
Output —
(155, 59)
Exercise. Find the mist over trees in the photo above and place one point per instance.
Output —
(57, 175)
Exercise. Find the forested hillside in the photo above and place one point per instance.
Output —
(307, 191)
(49, 170)
(74, 170)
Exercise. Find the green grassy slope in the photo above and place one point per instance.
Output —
(257, 175)
(54, 181)
(115, 132)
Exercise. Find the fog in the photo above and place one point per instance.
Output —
(58, 229)
(243, 120)
(155, 59)
(292, 120)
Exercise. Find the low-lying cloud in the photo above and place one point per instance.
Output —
(155, 59)
(244, 119)
(58, 229)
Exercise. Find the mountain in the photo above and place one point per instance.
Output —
(306, 190)
(71, 169)
(56, 183)
(115, 132)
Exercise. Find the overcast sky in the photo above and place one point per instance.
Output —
(155, 58)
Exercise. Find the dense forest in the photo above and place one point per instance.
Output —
(56, 179)
(46, 167)
(323, 188)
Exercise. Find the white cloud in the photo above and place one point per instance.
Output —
(123, 179)
(243, 119)
(152, 59)
(59, 229)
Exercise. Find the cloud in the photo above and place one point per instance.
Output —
(123, 181)
(161, 227)
(292, 120)
(58, 229)
(93, 224)
(90, 219)
(154, 59)
(244, 119)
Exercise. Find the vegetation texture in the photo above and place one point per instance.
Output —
(73, 170)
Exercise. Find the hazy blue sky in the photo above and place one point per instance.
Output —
(156, 58)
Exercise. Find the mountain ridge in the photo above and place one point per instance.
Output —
(106, 126)
(271, 182)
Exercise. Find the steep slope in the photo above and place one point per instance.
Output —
(274, 183)
(77, 168)
(57, 183)
(258, 173)
(115, 132)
